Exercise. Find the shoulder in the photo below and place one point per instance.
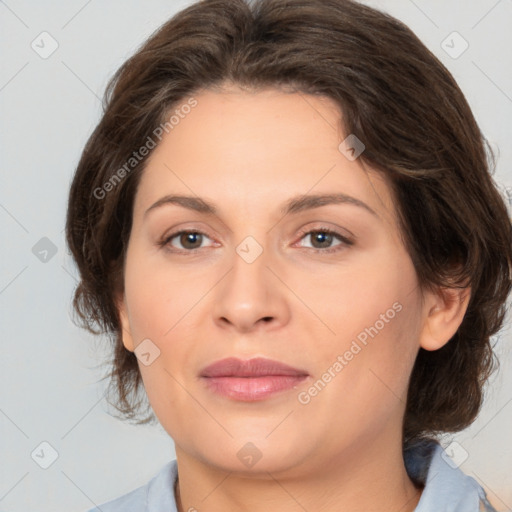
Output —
(445, 487)
(154, 496)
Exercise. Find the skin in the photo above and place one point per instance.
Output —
(248, 153)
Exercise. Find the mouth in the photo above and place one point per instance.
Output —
(251, 380)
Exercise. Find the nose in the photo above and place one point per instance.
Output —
(251, 297)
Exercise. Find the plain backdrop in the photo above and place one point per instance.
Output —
(51, 391)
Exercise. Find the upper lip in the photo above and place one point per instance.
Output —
(256, 367)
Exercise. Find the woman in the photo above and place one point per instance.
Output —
(286, 222)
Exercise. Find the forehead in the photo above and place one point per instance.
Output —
(256, 149)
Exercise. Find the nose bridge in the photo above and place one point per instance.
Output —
(250, 291)
(248, 279)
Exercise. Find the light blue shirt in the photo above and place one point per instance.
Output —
(446, 487)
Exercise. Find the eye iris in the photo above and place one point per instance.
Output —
(325, 238)
(190, 237)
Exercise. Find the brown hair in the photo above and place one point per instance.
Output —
(395, 96)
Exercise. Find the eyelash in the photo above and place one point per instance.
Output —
(345, 241)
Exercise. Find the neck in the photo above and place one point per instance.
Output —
(374, 479)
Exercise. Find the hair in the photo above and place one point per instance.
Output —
(394, 95)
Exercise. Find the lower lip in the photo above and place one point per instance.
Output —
(250, 389)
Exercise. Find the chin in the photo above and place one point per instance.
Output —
(255, 455)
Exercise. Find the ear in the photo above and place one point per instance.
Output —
(125, 323)
(445, 311)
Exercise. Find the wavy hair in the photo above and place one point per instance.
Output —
(395, 95)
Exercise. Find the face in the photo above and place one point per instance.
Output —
(325, 287)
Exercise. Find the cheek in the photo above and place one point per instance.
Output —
(160, 299)
(374, 312)
(365, 296)
(361, 386)
(160, 295)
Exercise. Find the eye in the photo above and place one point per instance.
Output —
(322, 239)
(190, 240)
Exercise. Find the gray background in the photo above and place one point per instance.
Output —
(50, 389)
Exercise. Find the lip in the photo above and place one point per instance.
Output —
(251, 380)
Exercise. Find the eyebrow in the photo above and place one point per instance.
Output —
(293, 205)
